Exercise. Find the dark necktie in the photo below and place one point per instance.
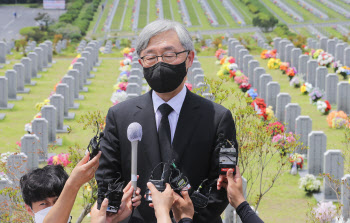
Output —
(164, 133)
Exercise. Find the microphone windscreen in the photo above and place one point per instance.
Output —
(134, 132)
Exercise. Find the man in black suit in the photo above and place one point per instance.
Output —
(177, 124)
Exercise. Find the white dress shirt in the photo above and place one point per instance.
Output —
(176, 103)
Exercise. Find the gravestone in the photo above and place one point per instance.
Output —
(84, 70)
(194, 73)
(237, 49)
(195, 64)
(203, 88)
(199, 78)
(241, 54)
(334, 166)
(49, 113)
(339, 52)
(311, 72)
(323, 43)
(251, 66)
(282, 100)
(276, 42)
(233, 47)
(27, 63)
(331, 46)
(345, 196)
(75, 74)
(40, 129)
(16, 167)
(343, 97)
(134, 88)
(91, 61)
(63, 90)
(87, 56)
(347, 56)
(282, 50)
(321, 73)
(292, 111)
(296, 52)
(39, 52)
(19, 68)
(246, 60)
(69, 80)
(135, 79)
(44, 47)
(303, 127)
(4, 94)
(264, 80)
(79, 66)
(11, 76)
(2, 52)
(138, 72)
(57, 101)
(49, 53)
(288, 53)
(303, 59)
(272, 90)
(257, 73)
(331, 88)
(317, 147)
(34, 57)
(31, 147)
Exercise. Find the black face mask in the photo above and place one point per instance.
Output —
(163, 77)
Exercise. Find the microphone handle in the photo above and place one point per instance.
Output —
(134, 165)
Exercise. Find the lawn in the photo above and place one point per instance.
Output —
(279, 12)
(128, 15)
(94, 20)
(152, 11)
(333, 32)
(308, 16)
(176, 10)
(118, 15)
(217, 13)
(143, 14)
(248, 16)
(226, 16)
(106, 10)
(330, 12)
(167, 10)
(192, 13)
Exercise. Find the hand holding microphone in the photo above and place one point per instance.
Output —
(134, 134)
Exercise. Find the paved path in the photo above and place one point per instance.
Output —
(10, 27)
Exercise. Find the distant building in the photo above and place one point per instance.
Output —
(54, 4)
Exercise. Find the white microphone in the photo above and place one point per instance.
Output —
(134, 133)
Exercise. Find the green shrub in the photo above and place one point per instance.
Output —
(33, 33)
(253, 8)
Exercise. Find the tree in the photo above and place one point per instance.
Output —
(265, 22)
(44, 21)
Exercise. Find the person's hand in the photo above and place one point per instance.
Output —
(182, 207)
(162, 201)
(125, 209)
(84, 171)
(234, 188)
(222, 182)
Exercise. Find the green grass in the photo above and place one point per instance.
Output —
(128, 15)
(166, 9)
(279, 12)
(94, 20)
(217, 13)
(308, 16)
(118, 15)
(342, 4)
(176, 11)
(152, 11)
(331, 13)
(224, 13)
(247, 15)
(191, 11)
(143, 14)
(333, 32)
(304, 32)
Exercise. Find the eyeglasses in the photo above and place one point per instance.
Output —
(167, 57)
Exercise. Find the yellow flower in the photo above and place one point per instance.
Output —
(303, 88)
(269, 112)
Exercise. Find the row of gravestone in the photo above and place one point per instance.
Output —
(135, 80)
(208, 11)
(16, 79)
(5, 48)
(319, 161)
(34, 146)
(336, 92)
(108, 47)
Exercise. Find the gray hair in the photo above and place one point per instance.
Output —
(162, 25)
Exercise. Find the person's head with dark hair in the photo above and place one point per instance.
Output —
(42, 187)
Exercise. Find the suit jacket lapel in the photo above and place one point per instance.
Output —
(146, 117)
(188, 118)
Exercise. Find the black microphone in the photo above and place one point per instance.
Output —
(134, 133)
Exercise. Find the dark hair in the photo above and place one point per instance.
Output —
(42, 183)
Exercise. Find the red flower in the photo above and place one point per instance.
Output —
(275, 128)
(232, 73)
(329, 107)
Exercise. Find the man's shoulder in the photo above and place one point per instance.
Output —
(130, 104)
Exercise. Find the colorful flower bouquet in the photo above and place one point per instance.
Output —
(323, 106)
(337, 120)
(325, 59)
(269, 113)
(273, 63)
(309, 183)
(298, 158)
(344, 71)
(295, 82)
(275, 128)
(228, 67)
(220, 53)
(325, 211)
(284, 66)
(39, 105)
(306, 88)
(260, 107)
(118, 96)
(241, 79)
(315, 95)
(291, 72)
(60, 159)
(283, 142)
(266, 54)
(245, 86)
(252, 93)
(316, 53)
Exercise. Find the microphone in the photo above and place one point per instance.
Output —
(134, 134)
